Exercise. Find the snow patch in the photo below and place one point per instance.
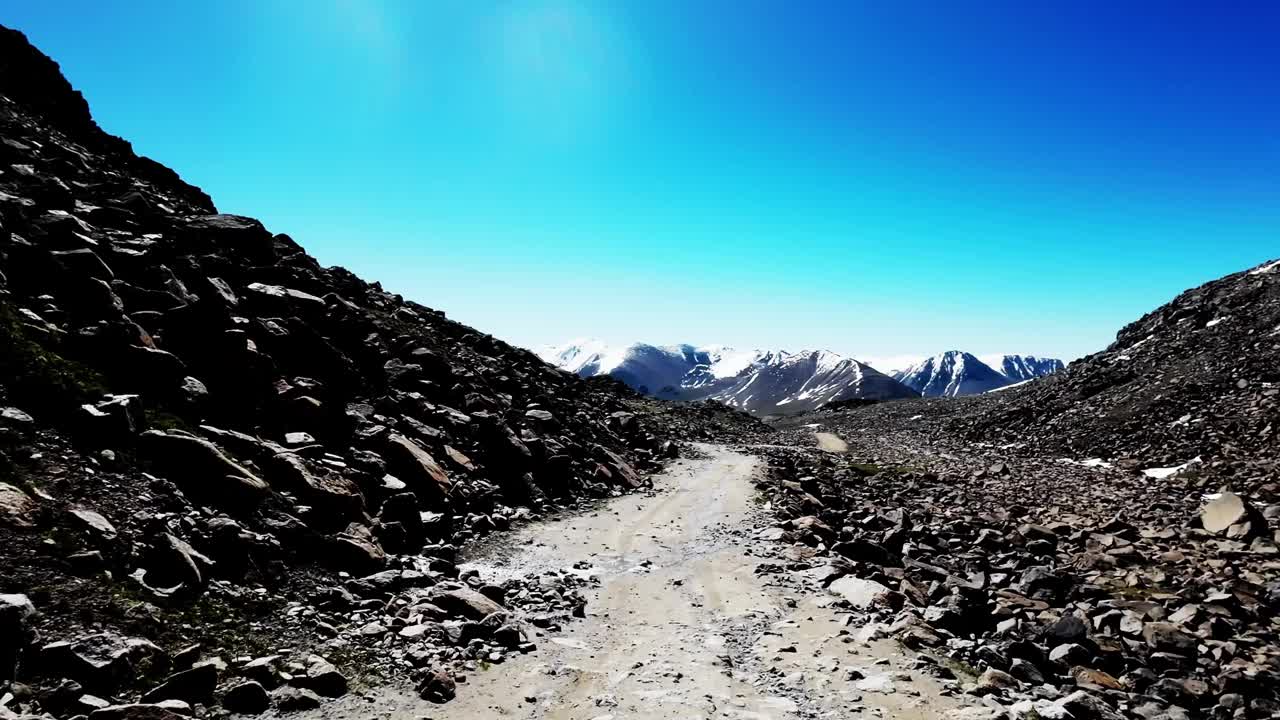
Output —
(1265, 268)
(1162, 473)
(1006, 387)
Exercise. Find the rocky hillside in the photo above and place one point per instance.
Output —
(757, 381)
(1101, 542)
(212, 447)
(1198, 377)
(1050, 589)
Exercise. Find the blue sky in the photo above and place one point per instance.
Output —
(875, 178)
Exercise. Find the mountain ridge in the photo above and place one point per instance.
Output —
(686, 371)
(760, 381)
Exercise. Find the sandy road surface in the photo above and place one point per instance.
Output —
(681, 627)
(831, 442)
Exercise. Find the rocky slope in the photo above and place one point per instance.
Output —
(1109, 530)
(1051, 589)
(760, 382)
(212, 448)
(1198, 377)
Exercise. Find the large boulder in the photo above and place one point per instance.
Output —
(861, 593)
(619, 468)
(16, 633)
(411, 463)
(465, 602)
(172, 564)
(17, 509)
(243, 237)
(137, 711)
(357, 551)
(323, 677)
(246, 698)
(194, 685)
(1231, 515)
(333, 495)
(202, 470)
(102, 661)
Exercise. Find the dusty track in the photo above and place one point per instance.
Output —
(831, 442)
(682, 626)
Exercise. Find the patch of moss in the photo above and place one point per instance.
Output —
(865, 468)
(961, 669)
(38, 378)
(161, 420)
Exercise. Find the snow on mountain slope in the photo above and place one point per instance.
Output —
(764, 382)
(950, 374)
(1022, 367)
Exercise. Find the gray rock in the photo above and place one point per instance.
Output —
(14, 416)
(136, 711)
(95, 524)
(246, 698)
(437, 686)
(17, 509)
(356, 550)
(323, 677)
(415, 466)
(16, 633)
(860, 593)
(993, 681)
(1084, 705)
(200, 468)
(195, 685)
(465, 602)
(1167, 637)
(291, 699)
(100, 662)
(1227, 510)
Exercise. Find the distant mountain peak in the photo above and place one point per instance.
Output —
(955, 372)
(759, 381)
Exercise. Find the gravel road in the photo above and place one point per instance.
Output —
(682, 625)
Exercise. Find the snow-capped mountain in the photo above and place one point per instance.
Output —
(955, 373)
(759, 381)
(950, 374)
(1022, 367)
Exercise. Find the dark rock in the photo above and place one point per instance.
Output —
(1069, 629)
(1167, 637)
(201, 469)
(16, 633)
(437, 686)
(465, 601)
(294, 699)
(195, 685)
(324, 678)
(102, 661)
(136, 711)
(246, 698)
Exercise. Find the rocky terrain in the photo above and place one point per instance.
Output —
(1101, 542)
(230, 477)
(761, 382)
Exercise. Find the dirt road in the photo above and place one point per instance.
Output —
(831, 442)
(682, 625)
